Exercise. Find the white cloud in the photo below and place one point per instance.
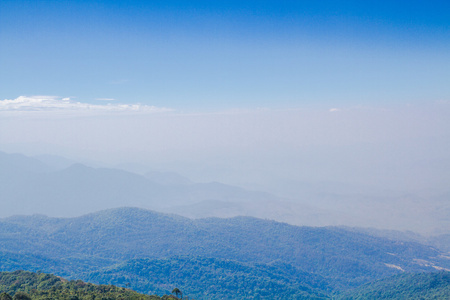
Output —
(104, 99)
(52, 103)
(334, 109)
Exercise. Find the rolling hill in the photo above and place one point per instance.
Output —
(29, 286)
(404, 286)
(57, 187)
(102, 246)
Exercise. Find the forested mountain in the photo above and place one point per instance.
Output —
(405, 286)
(211, 258)
(214, 285)
(135, 245)
(441, 241)
(211, 278)
(27, 285)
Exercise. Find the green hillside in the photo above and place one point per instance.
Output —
(210, 278)
(240, 256)
(405, 286)
(215, 284)
(27, 285)
(118, 235)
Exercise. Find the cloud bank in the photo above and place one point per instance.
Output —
(398, 146)
(52, 103)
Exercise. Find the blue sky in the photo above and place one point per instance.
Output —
(268, 95)
(214, 55)
(240, 92)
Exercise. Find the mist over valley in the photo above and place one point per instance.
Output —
(182, 150)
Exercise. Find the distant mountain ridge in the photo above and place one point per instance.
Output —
(132, 245)
(57, 187)
(404, 286)
(18, 162)
(127, 233)
(28, 186)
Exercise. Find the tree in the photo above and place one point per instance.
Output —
(177, 292)
(5, 296)
(21, 296)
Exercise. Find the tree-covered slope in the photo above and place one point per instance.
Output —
(210, 278)
(118, 235)
(28, 285)
(405, 286)
(46, 286)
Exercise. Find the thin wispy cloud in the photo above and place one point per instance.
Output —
(105, 99)
(52, 103)
(334, 110)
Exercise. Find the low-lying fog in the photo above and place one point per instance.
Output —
(385, 167)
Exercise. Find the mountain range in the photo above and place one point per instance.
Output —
(60, 187)
(29, 186)
(157, 230)
(135, 246)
